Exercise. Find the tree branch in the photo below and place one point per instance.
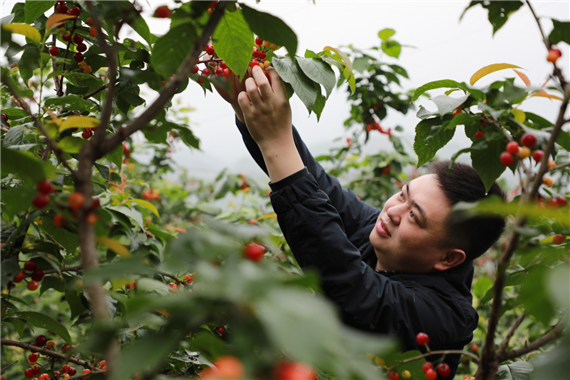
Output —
(51, 144)
(8, 366)
(442, 352)
(553, 334)
(45, 351)
(169, 90)
(509, 335)
(98, 90)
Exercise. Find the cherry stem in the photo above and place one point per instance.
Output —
(442, 352)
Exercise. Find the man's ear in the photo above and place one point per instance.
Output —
(453, 257)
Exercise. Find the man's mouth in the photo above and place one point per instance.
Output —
(382, 229)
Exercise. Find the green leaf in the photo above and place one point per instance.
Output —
(29, 61)
(72, 144)
(76, 301)
(446, 104)
(564, 140)
(486, 161)
(170, 50)
(319, 105)
(304, 87)
(499, 11)
(519, 370)
(66, 239)
(134, 215)
(71, 102)
(147, 205)
(391, 48)
(560, 32)
(18, 199)
(318, 71)
(534, 296)
(14, 113)
(23, 164)
(19, 325)
(233, 40)
(10, 268)
(116, 156)
(270, 28)
(430, 137)
(34, 9)
(385, 34)
(52, 282)
(446, 83)
(188, 137)
(141, 27)
(45, 322)
(481, 286)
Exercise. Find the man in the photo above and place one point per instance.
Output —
(401, 270)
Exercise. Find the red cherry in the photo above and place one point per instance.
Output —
(33, 357)
(78, 57)
(262, 54)
(206, 72)
(513, 147)
(427, 366)
(221, 330)
(558, 239)
(561, 201)
(45, 187)
(44, 376)
(254, 251)
(226, 72)
(38, 275)
(65, 348)
(258, 41)
(195, 69)
(81, 47)
(36, 370)
(393, 375)
(19, 277)
(431, 374)
(173, 287)
(210, 49)
(86, 134)
(66, 36)
(553, 55)
(76, 200)
(223, 65)
(162, 12)
(74, 11)
(4, 118)
(58, 220)
(219, 71)
(443, 370)
(528, 139)
(28, 373)
(41, 340)
(77, 39)
(65, 368)
(479, 134)
(61, 8)
(90, 21)
(422, 339)
(41, 200)
(253, 63)
(54, 50)
(291, 371)
(72, 371)
(456, 112)
(537, 155)
(32, 285)
(507, 159)
(30, 265)
(188, 278)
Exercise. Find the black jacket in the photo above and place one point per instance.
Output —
(328, 228)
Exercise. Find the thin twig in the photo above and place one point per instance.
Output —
(544, 39)
(51, 144)
(8, 366)
(98, 90)
(557, 167)
(442, 352)
(553, 334)
(45, 351)
(509, 335)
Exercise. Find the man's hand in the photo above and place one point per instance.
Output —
(267, 114)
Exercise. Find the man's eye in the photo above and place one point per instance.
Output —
(401, 195)
(413, 215)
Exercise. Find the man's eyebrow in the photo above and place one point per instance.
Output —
(414, 204)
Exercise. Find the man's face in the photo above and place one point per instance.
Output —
(410, 226)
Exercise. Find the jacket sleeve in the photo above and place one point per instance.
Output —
(313, 229)
(354, 213)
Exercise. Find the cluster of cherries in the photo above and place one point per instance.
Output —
(66, 370)
(77, 39)
(173, 286)
(230, 367)
(430, 372)
(374, 125)
(528, 140)
(36, 274)
(151, 194)
(75, 201)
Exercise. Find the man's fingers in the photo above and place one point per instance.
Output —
(262, 82)
(244, 102)
(253, 92)
(276, 82)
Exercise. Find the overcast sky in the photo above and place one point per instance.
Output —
(439, 47)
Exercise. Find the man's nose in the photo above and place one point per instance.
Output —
(395, 213)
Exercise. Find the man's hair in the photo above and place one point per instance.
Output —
(476, 234)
